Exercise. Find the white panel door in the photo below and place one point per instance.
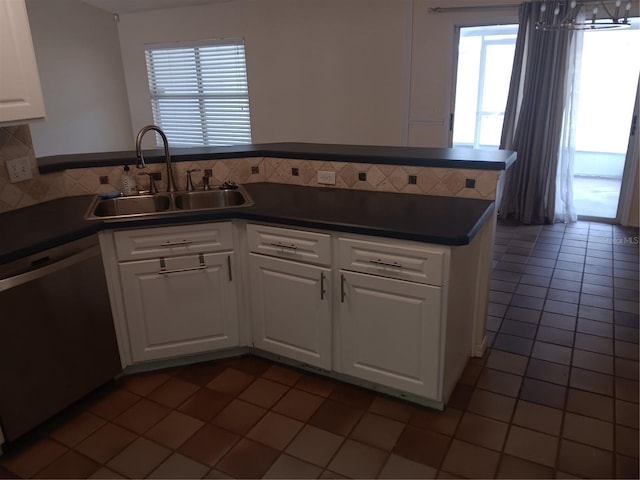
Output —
(291, 309)
(20, 92)
(390, 332)
(187, 307)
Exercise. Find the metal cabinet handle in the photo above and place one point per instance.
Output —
(342, 290)
(164, 271)
(229, 267)
(385, 264)
(322, 290)
(170, 243)
(284, 245)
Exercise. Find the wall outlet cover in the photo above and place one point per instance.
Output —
(362, 176)
(19, 169)
(470, 183)
(326, 178)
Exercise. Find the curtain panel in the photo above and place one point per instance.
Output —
(534, 118)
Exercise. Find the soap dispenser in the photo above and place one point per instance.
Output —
(128, 182)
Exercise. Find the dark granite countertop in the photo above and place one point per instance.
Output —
(414, 156)
(441, 220)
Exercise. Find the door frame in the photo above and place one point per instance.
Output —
(630, 181)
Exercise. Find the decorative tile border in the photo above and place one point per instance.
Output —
(15, 142)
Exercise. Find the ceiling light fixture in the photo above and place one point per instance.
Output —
(583, 15)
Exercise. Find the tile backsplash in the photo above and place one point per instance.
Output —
(15, 142)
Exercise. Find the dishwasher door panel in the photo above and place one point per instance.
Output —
(57, 341)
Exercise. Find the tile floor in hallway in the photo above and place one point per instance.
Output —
(555, 396)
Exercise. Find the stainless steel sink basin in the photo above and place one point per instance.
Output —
(209, 199)
(168, 203)
(134, 205)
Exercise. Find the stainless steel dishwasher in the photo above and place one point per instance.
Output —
(57, 340)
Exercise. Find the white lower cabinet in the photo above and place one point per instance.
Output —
(188, 307)
(390, 332)
(291, 309)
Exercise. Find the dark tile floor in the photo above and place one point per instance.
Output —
(556, 394)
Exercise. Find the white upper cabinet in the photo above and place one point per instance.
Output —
(20, 91)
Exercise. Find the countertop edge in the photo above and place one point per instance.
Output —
(460, 158)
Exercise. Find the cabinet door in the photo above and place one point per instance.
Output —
(291, 309)
(20, 93)
(180, 305)
(390, 332)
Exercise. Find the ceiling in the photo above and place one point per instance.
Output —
(131, 6)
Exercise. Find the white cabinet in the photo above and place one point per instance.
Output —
(291, 300)
(390, 328)
(20, 92)
(178, 299)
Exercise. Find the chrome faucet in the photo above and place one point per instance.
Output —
(171, 185)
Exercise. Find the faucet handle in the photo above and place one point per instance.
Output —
(205, 183)
(152, 182)
(190, 186)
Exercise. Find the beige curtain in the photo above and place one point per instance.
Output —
(534, 118)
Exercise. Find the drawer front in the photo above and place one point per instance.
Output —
(174, 240)
(299, 245)
(415, 264)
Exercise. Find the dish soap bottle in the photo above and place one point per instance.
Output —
(128, 182)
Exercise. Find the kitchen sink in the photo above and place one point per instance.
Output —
(168, 203)
(209, 199)
(134, 205)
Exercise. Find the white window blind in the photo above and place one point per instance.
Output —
(199, 93)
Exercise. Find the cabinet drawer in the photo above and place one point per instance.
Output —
(297, 245)
(415, 264)
(174, 240)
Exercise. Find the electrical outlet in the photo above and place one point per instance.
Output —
(326, 178)
(470, 183)
(19, 169)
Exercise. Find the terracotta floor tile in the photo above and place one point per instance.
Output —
(354, 396)
(584, 461)
(209, 444)
(590, 431)
(507, 362)
(231, 381)
(213, 473)
(275, 430)
(113, 404)
(70, 465)
(590, 404)
(422, 446)
(400, 467)
(263, 393)
(460, 396)
(626, 389)
(491, 405)
(470, 460)
(173, 430)
(291, 467)
(392, 408)
(544, 393)
(106, 443)
(205, 404)
(173, 392)
(551, 353)
(533, 446)
(627, 414)
(627, 441)
(316, 385)
(591, 381)
(627, 467)
(298, 404)
(538, 417)
(377, 431)
(239, 416)
(512, 467)
(596, 362)
(482, 431)
(248, 459)
(593, 343)
(142, 416)
(357, 460)
(315, 445)
(548, 371)
(282, 374)
(500, 382)
(201, 374)
(139, 458)
(77, 429)
(179, 466)
(104, 472)
(144, 383)
(444, 422)
(32, 458)
(336, 417)
(250, 364)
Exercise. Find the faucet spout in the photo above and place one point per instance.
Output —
(171, 184)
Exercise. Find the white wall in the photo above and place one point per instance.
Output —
(78, 55)
(329, 71)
